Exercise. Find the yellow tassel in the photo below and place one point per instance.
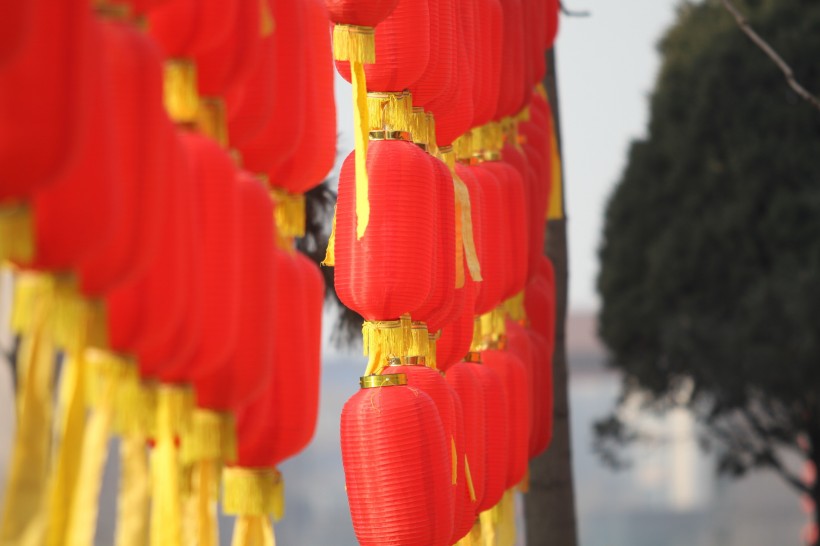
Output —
(289, 213)
(180, 90)
(431, 351)
(330, 253)
(166, 511)
(23, 520)
(524, 484)
(462, 196)
(432, 143)
(488, 531)
(453, 460)
(418, 127)
(204, 493)
(556, 208)
(389, 111)
(505, 525)
(253, 531)
(383, 340)
(354, 43)
(253, 491)
(212, 120)
(514, 307)
(133, 499)
(211, 437)
(16, 233)
(469, 477)
(419, 341)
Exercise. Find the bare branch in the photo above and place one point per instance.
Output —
(772, 54)
(573, 13)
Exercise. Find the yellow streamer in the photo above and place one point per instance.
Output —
(212, 120)
(166, 511)
(361, 131)
(133, 500)
(180, 90)
(453, 460)
(253, 491)
(22, 522)
(330, 253)
(253, 530)
(469, 477)
(488, 531)
(556, 208)
(16, 233)
(462, 195)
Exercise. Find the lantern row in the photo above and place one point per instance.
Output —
(438, 243)
(153, 162)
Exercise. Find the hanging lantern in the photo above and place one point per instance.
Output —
(462, 378)
(40, 135)
(512, 70)
(438, 77)
(552, 9)
(542, 365)
(514, 379)
(142, 161)
(278, 139)
(496, 429)
(315, 153)
(464, 499)
(454, 118)
(456, 336)
(495, 234)
(15, 25)
(397, 468)
(73, 215)
(522, 345)
(386, 273)
(184, 28)
(362, 13)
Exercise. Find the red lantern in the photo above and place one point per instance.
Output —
(455, 118)
(186, 27)
(464, 381)
(397, 468)
(464, 504)
(402, 49)
(230, 387)
(278, 139)
(488, 24)
(73, 215)
(542, 364)
(495, 234)
(142, 162)
(457, 335)
(15, 26)
(363, 13)
(437, 309)
(43, 96)
(521, 345)
(316, 151)
(438, 78)
(510, 97)
(514, 379)
(497, 426)
(552, 9)
(387, 272)
(250, 106)
(516, 209)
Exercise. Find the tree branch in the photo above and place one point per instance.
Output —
(572, 13)
(772, 54)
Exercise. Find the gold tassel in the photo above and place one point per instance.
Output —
(383, 340)
(253, 531)
(556, 208)
(454, 460)
(330, 253)
(488, 522)
(180, 90)
(253, 491)
(133, 499)
(419, 341)
(462, 195)
(432, 143)
(16, 233)
(212, 120)
(431, 350)
(289, 213)
(23, 520)
(418, 127)
(505, 525)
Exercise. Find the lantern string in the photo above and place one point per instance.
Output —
(16, 233)
(23, 520)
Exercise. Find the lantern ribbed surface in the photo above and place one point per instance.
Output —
(250, 366)
(14, 28)
(314, 155)
(454, 119)
(495, 233)
(387, 272)
(282, 133)
(514, 189)
(497, 435)
(186, 27)
(467, 385)
(439, 66)
(402, 49)
(522, 345)
(463, 503)
(457, 335)
(542, 366)
(136, 81)
(363, 13)
(436, 309)
(513, 376)
(440, 101)
(31, 157)
(397, 468)
(510, 96)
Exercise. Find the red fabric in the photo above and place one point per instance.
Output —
(283, 131)
(510, 98)
(387, 272)
(542, 365)
(513, 376)
(457, 335)
(184, 276)
(552, 9)
(467, 385)
(491, 214)
(497, 435)
(363, 13)
(229, 62)
(436, 76)
(229, 388)
(439, 303)
(218, 238)
(73, 216)
(44, 96)
(458, 118)
(250, 106)
(444, 102)
(463, 505)
(184, 28)
(15, 25)
(397, 468)
(402, 49)
(315, 153)
(142, 162)
(523, 346)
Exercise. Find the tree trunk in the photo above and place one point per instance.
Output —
(813, 527)
(550, 504)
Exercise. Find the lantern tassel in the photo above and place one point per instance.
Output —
(464, 212)
(330, 253)
(555, 209)
(454, 460)
(23, 518)
(469, 477)
(382, 340)
(180, 90)
(16, 233)
(253, 494)
(133, 499)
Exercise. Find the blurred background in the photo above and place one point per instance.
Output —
(666, 490)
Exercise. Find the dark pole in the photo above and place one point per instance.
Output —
(550, 503)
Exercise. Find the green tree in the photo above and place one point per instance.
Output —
(710, 261)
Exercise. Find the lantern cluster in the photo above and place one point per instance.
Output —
(439, 238)
(153, 160)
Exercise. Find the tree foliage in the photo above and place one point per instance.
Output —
(710, 260)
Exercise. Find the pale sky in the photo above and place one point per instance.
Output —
(606, 68)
